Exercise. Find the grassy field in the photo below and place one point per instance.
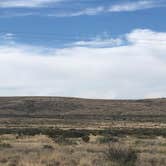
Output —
(79, 132)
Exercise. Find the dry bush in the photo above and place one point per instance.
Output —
(122, 155)
(149, 159)
(86, 138)
(49, 147)
(107, 139)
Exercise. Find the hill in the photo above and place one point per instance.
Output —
(44, 130)
(81, 108)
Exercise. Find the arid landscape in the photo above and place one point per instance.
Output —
(82, 83)
(56, 131)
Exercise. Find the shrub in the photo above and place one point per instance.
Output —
(52, 163)
(123, 155)
(59, 139)
(86, 138)
(5, 145)
(63, 141)
(107, 139)
(48, 147)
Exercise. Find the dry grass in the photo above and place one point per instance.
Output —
(106, 132)
(42, 151)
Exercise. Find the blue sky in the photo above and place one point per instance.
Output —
(63, 38)
(44, 23)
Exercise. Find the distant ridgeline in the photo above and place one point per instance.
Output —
(59, 107)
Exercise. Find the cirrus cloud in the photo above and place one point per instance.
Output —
(27, 4)
(72, 8)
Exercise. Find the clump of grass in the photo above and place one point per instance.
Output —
(63, 140)
(53, 163)
(48, 147)
(122, 155)
(162, 144)
(107, 139)
(5, 145)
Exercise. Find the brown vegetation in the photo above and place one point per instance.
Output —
(78, 132)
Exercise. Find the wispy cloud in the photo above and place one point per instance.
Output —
(122, 7)
(88, 11)
(99, 42)
(137, 5)
(7, 36)
(65, 10)
(26, 3)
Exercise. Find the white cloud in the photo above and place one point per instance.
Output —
(99, 42)
(26, 3)
(137, 5)
(67, 11)
(146, 37)
(136, 70)
(7, 36)
(120, 7)
(88, 11)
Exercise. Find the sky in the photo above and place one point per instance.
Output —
(109, 49)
